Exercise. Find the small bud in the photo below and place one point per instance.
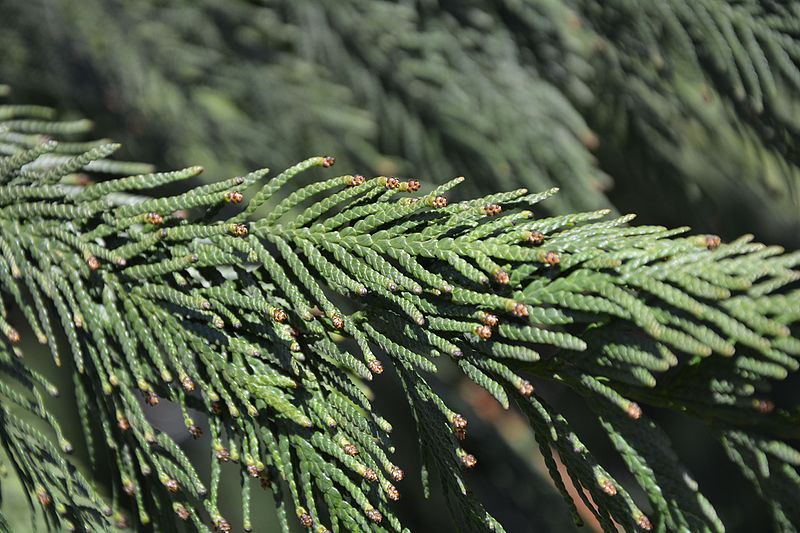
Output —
(306, 521)
(153, 218)
(234, 197)
(43, 497)
(608, 487)
(490, 319)
(469, 461)
(375, 366)
(461, 434)
(712, 241)
(128, 487)
(222, 525)
(374, 515)
(172, 485)
(370, 475)
(182, 512)
(764, 406)
(216, 408)
(151, 398)
(93, 262)
(187, 384)
(519, 310)
(501, 276)
(338, 321)
(552, 258)
(13, 335)
(356, 180)
(120, 522)
(644, 523)
(491, 210)
(195, 431)
(525, 388)
(393, 493)
(279, 315)
(484, 332)
(459, 422)
(328, 161)
(253, 470)
(263, 480)
(439, 202)
(536, 238)
(392, 182)
(350, 449)
(239, 230)
(397, 473)
(633, 410)
(223, 455)
(123, 423)
(413, 185)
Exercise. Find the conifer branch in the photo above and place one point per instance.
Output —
(272, 322)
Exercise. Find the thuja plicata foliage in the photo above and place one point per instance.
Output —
(272, 307)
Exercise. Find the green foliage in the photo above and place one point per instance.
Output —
(275, 319)
(690, 104)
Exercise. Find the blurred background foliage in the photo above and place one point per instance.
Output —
(682, 111)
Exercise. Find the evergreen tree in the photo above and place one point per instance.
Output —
(267, 308)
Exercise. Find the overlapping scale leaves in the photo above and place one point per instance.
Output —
(272, 306)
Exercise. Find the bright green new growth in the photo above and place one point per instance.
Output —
(246, 317)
